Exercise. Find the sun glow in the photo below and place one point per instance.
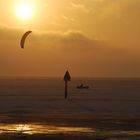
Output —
(22, 128)
(25, 11)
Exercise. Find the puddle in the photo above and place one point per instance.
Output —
(41, 129)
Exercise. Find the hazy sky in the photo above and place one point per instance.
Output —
(98, 38)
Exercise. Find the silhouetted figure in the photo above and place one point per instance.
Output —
(67, 78)
(82, 87)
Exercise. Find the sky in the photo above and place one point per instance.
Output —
(90, 38)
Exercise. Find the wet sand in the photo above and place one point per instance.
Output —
(69, 128)
(33, 109)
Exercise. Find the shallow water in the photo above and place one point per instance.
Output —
(41, 129)
(22, 98)
(46, 96)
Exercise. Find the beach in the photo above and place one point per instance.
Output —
(35, 108)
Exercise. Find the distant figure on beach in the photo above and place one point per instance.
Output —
(82, 87)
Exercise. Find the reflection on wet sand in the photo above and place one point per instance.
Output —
(44, 131)
(41, 129)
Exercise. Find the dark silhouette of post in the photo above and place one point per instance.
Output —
(67, 78)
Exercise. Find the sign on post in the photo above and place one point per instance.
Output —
(67, 78)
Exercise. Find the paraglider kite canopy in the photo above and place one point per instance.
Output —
(23, 39)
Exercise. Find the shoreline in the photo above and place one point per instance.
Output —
(84, 121)
(107, 126)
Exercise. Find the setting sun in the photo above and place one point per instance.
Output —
(24, 11)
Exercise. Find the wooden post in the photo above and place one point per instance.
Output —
(67, 78)
(66, 89)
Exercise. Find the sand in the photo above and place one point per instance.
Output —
(111, 108)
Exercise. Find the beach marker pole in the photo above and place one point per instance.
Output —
(66, 89)
(67, 78)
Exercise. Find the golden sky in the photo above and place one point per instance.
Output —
(98, 38)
